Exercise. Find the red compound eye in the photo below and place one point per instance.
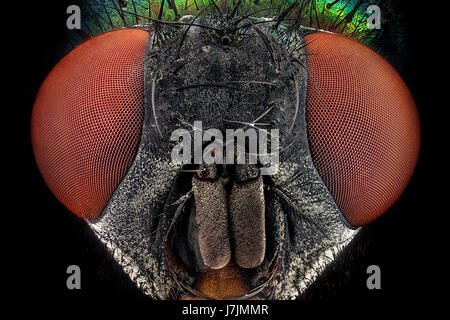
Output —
(363, 126)
(87, 119)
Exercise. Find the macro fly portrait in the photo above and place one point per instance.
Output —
(227, 149)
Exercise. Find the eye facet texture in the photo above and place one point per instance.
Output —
(362, 124)
(87, 118)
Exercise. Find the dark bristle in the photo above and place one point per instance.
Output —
(123, 13)
(317, 16)
(330, 5)
(358, 24)
(264, 39)
(302, 8)
(339, 15)
(120, 13)
(122, 3)
(235, 9)
(107, 14)
(249, 15)
(135, 12)
(161, 10)
(180, 44)
(173, 6)
(95, 14)
(217, 8)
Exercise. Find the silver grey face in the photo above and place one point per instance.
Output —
(284, 228)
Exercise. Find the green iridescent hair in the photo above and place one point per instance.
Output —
(347, 17)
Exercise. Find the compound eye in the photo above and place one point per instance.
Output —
(362, 126)
(87, 119)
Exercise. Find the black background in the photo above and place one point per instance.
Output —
(44, 238)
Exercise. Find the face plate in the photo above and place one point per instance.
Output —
(305, 230)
